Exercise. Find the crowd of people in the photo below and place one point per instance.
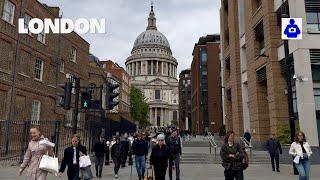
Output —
(162, 146)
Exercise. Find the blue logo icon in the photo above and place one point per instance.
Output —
(292, 30)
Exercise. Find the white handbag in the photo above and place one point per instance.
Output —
(50, 164)
(84, 161)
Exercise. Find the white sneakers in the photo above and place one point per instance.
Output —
(116, 176)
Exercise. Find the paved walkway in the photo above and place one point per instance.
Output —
(191, 172)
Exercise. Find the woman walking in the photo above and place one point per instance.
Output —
(116, 155)
(301, 151)
(159, 158)
(71, 159)
(232, 156)
(36, 149)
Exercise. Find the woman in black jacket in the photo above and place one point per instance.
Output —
(159, 158)
(71, 159)
(232, 155)
(116, 155)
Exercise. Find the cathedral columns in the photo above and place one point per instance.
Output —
(152, 68)
(156, 116)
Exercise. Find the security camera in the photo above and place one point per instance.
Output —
(295, 77)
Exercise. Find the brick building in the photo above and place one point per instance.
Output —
(185, 122)
(254, 67)
(33, 65)
(206, 113)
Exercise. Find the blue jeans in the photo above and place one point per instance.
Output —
(140, 165)
(303, 168)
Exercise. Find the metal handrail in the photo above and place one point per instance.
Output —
(248, 145)
(212, 143)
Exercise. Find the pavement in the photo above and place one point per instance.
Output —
(189, 172)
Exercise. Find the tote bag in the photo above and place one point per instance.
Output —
(49, 163)
(84, 161)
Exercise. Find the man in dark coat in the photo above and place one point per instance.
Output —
(71, 159)
(140, 150)
(100, 149)
(116, 155)
(125, 145)
(274, 148)
(174, 146)
(247, 136)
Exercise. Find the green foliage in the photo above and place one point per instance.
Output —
(283, 133)
(139, 107)
(174, 122)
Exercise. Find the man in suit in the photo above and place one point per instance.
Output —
(71, 159)
(274, 148)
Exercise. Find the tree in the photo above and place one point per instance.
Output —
(139, 107)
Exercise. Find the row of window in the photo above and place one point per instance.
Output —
(8, 16)
(159, 51)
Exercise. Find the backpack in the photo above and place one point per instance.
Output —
(245, 161)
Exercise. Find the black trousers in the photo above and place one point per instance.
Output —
(107, 161)
(73, 173)
(117, 164)
(160, 173)
(233, 175)
(274, 157)
(124, 159)
(99, 165)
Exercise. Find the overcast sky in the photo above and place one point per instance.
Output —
(181, 21)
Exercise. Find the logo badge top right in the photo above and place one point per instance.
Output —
(291, 28)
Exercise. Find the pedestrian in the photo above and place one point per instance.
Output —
(36, 149)
(100, 149)
(159, 158)
(274, 149)
(131, 139)
(247, 136)
(301, 151)
(232, 155)
(116, 154)
(126, 146)
(140, 150)
(71, 158)
(107, 161)
(174, 145)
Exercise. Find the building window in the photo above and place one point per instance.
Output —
(157, 94)
(27, 19)
(175, 115)
(8, 11)
(259, 38)
(38, 69)
(227, 67)
(203, 57)
(256, 4)
(35, 116)
(61, 66)
(42, 37)
(74, 55)
(313, 21)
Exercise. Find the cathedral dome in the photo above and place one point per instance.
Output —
(151, 37)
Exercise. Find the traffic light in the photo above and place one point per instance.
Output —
(110, 95)
(66, 96)
(86, 100)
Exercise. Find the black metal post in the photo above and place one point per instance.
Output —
(288, 62)
(76, 105)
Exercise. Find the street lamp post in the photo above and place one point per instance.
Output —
(288, 64)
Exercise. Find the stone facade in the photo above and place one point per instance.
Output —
(153, 69)
(254, 74)
(206, 113)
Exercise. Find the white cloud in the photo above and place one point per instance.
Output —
(181, 21)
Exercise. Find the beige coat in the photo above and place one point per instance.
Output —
(32, 159)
